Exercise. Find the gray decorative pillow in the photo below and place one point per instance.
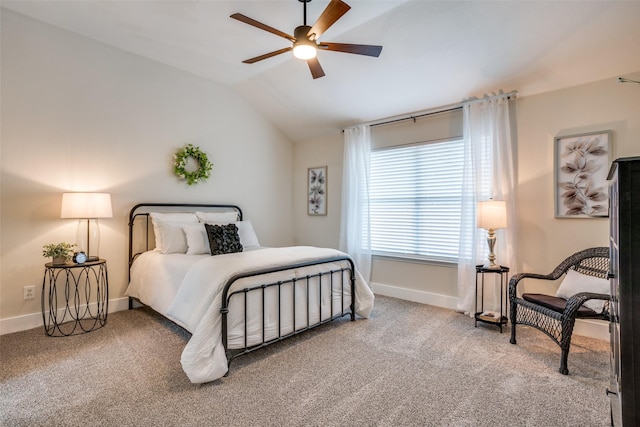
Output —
(223, 239)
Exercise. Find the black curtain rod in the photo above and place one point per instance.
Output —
(416, 117)
(509, 95)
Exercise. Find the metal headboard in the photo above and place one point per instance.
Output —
(142, 210)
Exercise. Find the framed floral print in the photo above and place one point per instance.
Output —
(317, 191)
(581, 167)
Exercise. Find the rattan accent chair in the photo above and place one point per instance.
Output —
(555, 316)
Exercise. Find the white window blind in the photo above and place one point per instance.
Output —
(415, 193)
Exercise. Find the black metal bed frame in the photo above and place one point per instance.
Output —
(336, 278)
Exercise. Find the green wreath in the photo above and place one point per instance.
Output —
(201, 174)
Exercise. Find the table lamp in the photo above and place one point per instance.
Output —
(492, 214)
(87, 208)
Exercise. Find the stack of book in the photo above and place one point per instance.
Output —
(489, 316)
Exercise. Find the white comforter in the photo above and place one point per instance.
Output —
(190, 293)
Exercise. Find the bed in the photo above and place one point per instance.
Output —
(246, 296)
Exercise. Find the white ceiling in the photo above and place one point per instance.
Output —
(435, 52)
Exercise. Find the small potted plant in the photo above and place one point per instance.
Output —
(59, 252)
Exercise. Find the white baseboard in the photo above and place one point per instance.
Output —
(34, 320)
(592, 328)
(423, 297)
(598, 329)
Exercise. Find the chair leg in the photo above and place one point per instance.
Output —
(563, 362)
(512, 340)
(565, 344)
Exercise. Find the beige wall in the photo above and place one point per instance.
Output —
(78, 115)
(318, 230)
(543, 240)
(603, 105)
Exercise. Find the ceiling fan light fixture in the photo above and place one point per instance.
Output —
(305, 38)
(303, 46)
(304, 50)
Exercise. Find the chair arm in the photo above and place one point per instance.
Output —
(515, 279)
(574, 303)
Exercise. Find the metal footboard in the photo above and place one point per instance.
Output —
(335, 277)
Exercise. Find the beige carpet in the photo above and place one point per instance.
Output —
(409, 364)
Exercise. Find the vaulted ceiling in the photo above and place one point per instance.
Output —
(435, 52)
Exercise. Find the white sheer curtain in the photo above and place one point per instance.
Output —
(355, 234)
(488, 173)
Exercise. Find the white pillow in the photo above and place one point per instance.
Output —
(198, 241)
(174, 235)
(574, 283)
(173, 217)
(248, 236)
(217, 217)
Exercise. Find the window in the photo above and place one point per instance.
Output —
(415, 194)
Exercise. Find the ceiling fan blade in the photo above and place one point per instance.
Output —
(329, 16)
(316, 69)
(262, 26)
(267, 55)
(359, 49)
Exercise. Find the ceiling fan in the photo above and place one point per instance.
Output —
(305, 38)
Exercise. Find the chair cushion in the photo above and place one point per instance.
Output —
(557, 304)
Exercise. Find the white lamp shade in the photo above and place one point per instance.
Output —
(492, 214)
(86, 205)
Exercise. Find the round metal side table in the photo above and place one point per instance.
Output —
(75, 297)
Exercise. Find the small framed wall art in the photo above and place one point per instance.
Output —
(581, 167)
(317, 191)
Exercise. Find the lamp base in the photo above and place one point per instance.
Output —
(491, 241)
(88, 238)
(492, 266)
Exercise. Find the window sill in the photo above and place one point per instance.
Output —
(416, 260)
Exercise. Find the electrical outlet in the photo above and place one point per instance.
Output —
(29, 292)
